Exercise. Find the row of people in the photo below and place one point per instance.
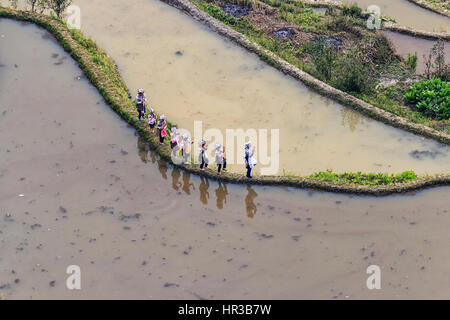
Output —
(185, 143)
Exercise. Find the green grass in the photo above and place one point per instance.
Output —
(438, 5)
(306, 18)
(367, 179)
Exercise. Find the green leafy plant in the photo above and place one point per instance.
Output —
(431, 97)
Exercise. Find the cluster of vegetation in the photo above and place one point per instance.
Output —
(306, 18)
(411, 61)
(431, 97)
(285, 4)
(219, 14)
(352, 10)
(435, 64)
(369, 179)
(347, 71)
(57, 6)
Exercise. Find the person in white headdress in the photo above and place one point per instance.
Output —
(186, 148)
(221, 161)
(174, 135)
(161, 128)
(203, 157)
(152, 120)
(141, 99)
(250, 161)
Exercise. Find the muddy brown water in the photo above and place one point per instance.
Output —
(408, 14)
(78, 187)
(405, 45)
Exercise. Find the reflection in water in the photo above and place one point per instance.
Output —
(221, 194)
(144, 152)
(163, 167)
(153, 157)
(176, 184)
(250, 202)
(143, 149)
(203, 188)
(181, 180)
(350, 118)
(187, 183)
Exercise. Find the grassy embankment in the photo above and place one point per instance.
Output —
(369, 179)
(439, 6)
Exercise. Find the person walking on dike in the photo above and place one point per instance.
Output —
(174, 141)
(203, 157)
(186, 148)
(221, 161)
(161, 129)
(250, 161)
(141, 99)
(152, 120)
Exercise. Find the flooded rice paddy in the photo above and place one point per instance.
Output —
(408, 14)
(192, 74)
(405, 45)
(78, 187)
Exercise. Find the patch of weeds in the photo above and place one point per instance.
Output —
(411, 61)
(306, 18)
(368, 179)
